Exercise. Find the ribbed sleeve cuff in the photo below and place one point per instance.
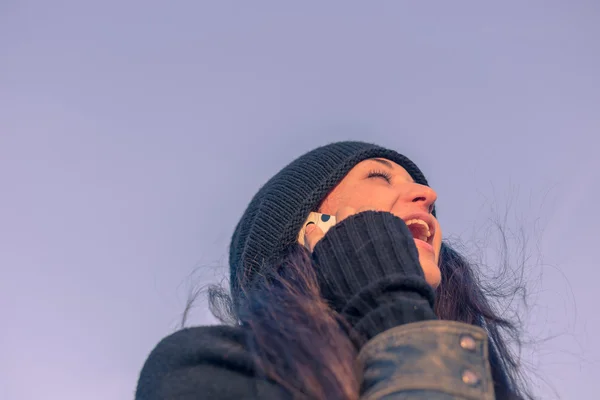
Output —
(368, 269)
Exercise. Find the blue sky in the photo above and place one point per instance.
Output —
(133, 134)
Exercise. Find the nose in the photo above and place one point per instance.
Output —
(423, 196)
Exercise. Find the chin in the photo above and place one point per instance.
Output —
(432, 272)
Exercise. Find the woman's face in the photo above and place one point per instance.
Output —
(382, 185)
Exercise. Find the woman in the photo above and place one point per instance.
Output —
(375, 308)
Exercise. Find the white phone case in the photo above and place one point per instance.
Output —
(323, 221)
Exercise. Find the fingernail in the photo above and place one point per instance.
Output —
(309, 228)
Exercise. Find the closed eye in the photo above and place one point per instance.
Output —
(380, 174)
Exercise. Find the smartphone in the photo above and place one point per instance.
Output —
(323, 221)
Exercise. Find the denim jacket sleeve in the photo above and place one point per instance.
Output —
(434, 360)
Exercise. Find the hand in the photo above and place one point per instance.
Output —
(368, 265)
(312, 233)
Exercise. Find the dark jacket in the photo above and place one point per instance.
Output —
(422, 360)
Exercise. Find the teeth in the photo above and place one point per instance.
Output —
(422, 223)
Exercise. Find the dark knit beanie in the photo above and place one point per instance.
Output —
(276, 213)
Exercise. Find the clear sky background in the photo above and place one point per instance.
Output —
(134, 133)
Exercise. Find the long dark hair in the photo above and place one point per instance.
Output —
(302, 344)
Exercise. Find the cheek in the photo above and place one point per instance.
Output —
(357, 197)
(330, 205)
(437, 244)
(337, 199)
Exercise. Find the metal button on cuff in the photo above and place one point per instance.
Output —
(470, 378)
(468, 343)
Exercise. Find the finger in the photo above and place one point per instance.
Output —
(312, 235)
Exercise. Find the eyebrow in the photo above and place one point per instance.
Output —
(384, 162)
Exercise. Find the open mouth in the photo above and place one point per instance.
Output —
(422, 227)
(419, 229)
